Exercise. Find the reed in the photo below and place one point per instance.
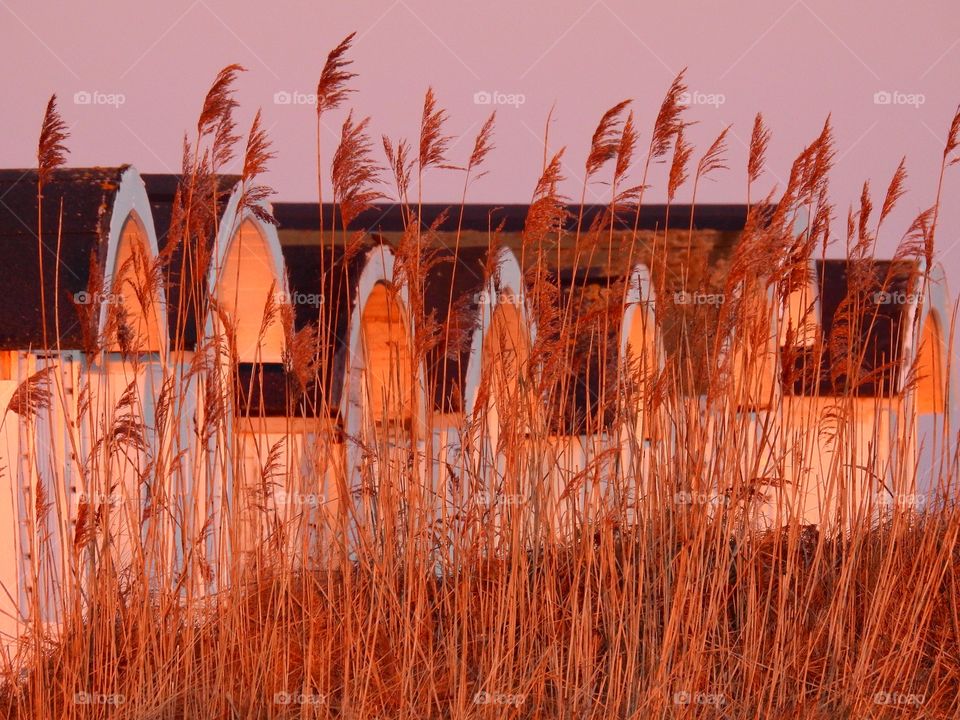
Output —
(574, 590)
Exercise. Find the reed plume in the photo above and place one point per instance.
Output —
(51, 154)
(400, 165)
(301, 352)
(626, 146)
(254, 196)
(355, 174)
(32, 395)
(332, 89)
(51, 149)
(482, 145)
(219, 103)
(953, 140)
(668, 122)
(678, 167)
(607, 139)
(216, 117)
(715, 157)
(548, 207)
(895, 191)
(433, 142)
(759, 140)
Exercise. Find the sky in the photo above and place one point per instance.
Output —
(131, 78)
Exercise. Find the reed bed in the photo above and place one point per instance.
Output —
(635, 606)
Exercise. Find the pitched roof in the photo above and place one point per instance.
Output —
(864, 308)
(77, 206)
(324, 285)
(184, 281)
(694, 263)
(509, 217)
(452, 288)
(584, 370)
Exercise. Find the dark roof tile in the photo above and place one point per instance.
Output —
(77, 204)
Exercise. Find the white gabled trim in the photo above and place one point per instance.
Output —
(506, 285)
(640, 301)
(131, 199)
(640, 298)
(378, 267)
(230, 223)
(935, 303)
(219, 490)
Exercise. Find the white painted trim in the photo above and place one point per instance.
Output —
(378, 267)
(640, 297)
(220, 492)
(131, 198)
(935, 303)
(506, 285)
(507, 281)
(230, 223)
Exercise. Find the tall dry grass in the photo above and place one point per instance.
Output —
(630, 605)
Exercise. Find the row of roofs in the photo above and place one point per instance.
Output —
(84, 211)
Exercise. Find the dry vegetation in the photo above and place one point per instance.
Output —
(498, 614)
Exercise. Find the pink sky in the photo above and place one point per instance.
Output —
(794, 60)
